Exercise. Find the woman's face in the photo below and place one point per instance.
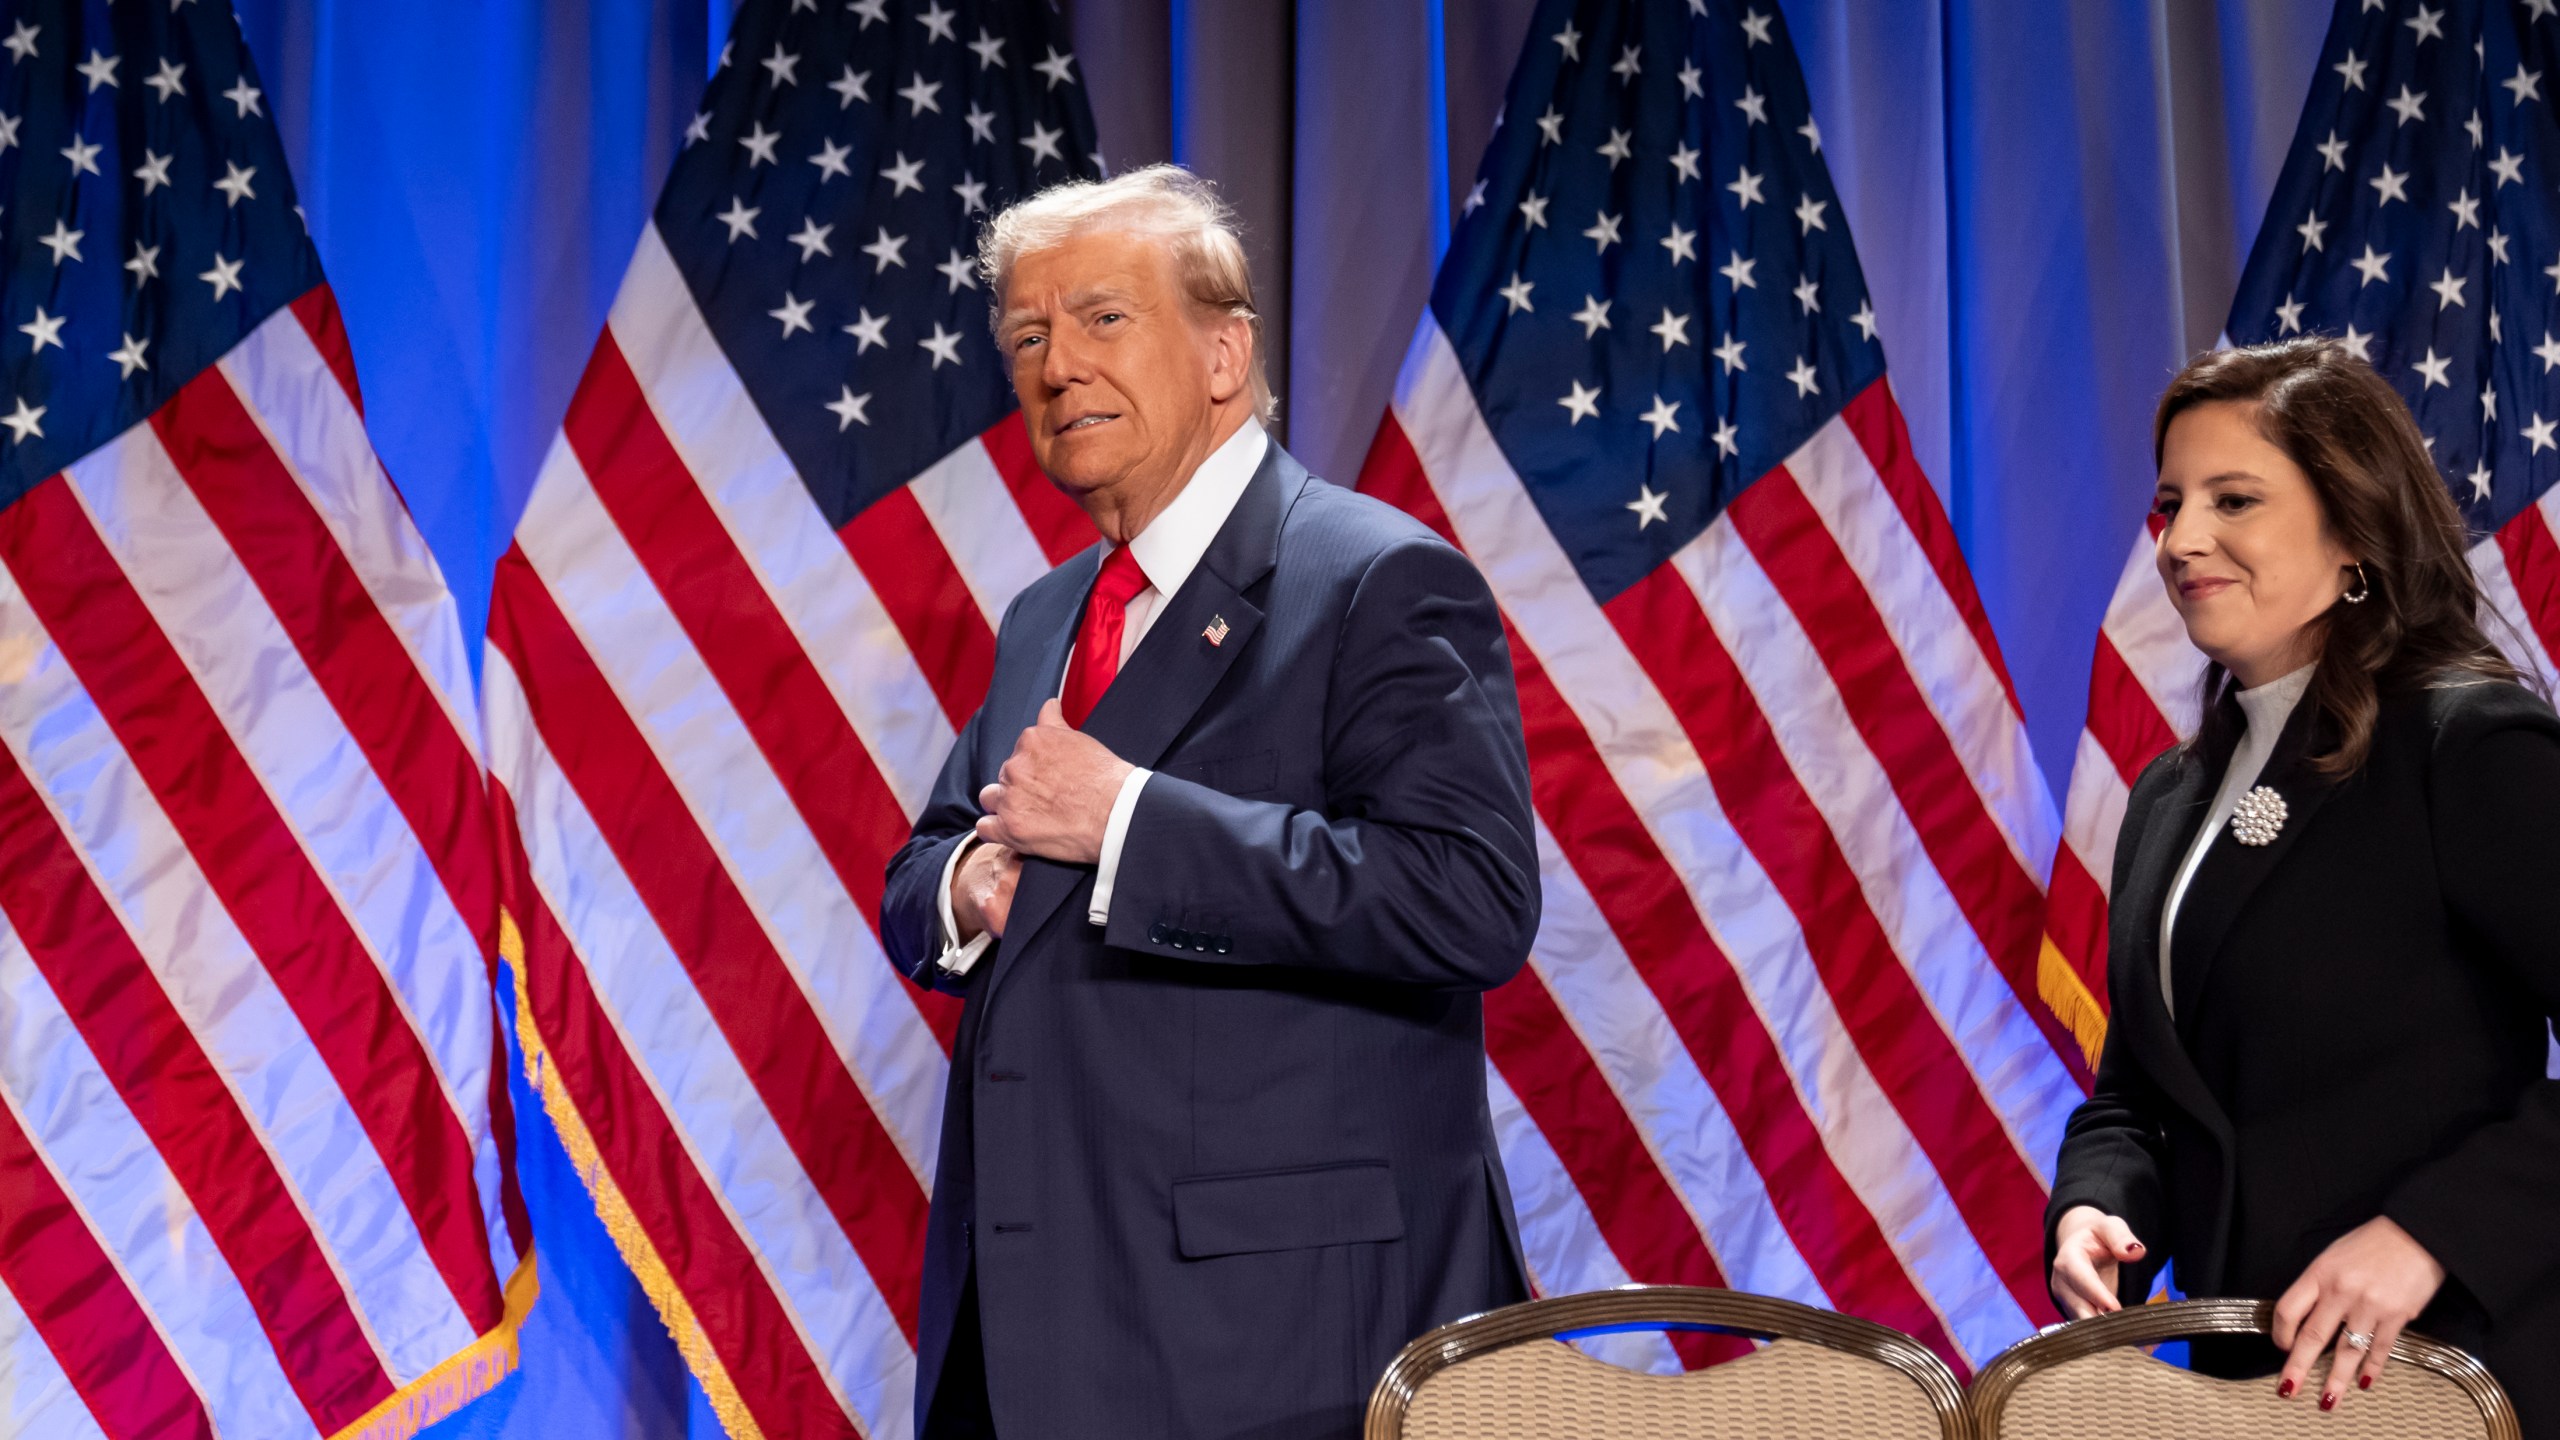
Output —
(2246, 553)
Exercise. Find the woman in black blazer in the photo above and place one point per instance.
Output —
(2334, 939)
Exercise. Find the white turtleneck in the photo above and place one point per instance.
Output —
(2267, 708)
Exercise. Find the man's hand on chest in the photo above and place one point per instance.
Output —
(1053, 797)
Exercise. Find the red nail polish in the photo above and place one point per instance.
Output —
(2134, 1249)
(2364, 1382)
(2285, 1391)
(2328, 1402)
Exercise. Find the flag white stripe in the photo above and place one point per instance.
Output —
(223, 992)
(729, 787)
(802, 564)
(728, 1135)
(2098, 799)
(1558, 1234)
(36, 1398)
(2516, 637)
(316, 432)
(286, 729)
(134, 1208)
(1970, 1000)
(2151, 639)
(1651, 760)
(968, 504)
(1685, 1129)
(1938, 648)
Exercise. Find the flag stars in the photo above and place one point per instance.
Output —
(100, 71)
(868, 330)
(698, 129)
(937, 24)
(1664, 417)
(1059, 68)
(8, 131)
(46, 330)
(2538, 434)
(1729, 354)
(1620, 146)
(849, 409)
(1804, 378)
(1754, 107)
(1746, 188)
(24, 421)
(2358, 343)
(234, 184)
(1690, 78)
(1812, 134)
(1603, 233)
(1809, 215)
(1516, 294)
(2524, 84)
(170, 80)
(1568, 40)
(831, 161)
(2333, 152)
(2289, 317)
(2508, 167)
(2497, 248)
(1755, 29)
(128, 356)
(1672, 329)
(811, 237)
(873, 12)
(886, 251)
(1684, 162)
(2448, 288)
(960, 270)
(852, 85)
(1737, 271)
(919, 94)
(2472, 128)
(82, 155)
(1533, 212)
(1682, 244)
(64, 242)
(2548, 352)
(740, 217)
(21, 43)
(903, 176)
(2428, 23)
(2466, 211)
(782, 65)
(1807, 295)
(1551, 127)
(1582, 402)
(2479, 478)
(943, 344)
(794, 315)
(2494, 337)
(759, 143)
(2351, 70)
(1630, 64)
(1649, 502)
(1593, 316)
(2374, 266)
(224, 277)
(245, 97)
(1865, 320)
(982, 124)
(2488, 403)
(972, 192)
(2432, 370)
(1042, 142)
(2408, 105)
(1728, 437)
(1475, 198)
(989, 49)
(2390, 185)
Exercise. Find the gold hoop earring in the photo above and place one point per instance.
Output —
(2363, 590)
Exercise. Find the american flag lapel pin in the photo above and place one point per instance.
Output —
(1216, 634)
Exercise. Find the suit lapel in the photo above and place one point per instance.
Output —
(2232, 872)
(2139, 1010)
(1171, 673)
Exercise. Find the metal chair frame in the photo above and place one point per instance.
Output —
(1685, 1306)
(2153, 1324)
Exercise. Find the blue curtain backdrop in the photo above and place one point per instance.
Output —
(2051, 202)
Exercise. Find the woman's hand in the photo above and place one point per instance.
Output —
(2089, 1244)
(2370, 1282)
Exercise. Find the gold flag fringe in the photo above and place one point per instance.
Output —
(470, 1373)
(2058, 985)
(619, 1220)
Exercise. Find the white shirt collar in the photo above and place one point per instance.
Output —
(2270, 705)
(1169, 549)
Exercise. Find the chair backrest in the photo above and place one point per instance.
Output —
(1503, 1374)
(2091, 1380)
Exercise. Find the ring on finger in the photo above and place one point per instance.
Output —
(2358, 1339)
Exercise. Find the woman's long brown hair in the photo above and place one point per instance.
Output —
(2382, 499)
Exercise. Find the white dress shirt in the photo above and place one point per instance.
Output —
(2267, 709)
(1167, 551)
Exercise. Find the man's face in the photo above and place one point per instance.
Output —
(1118, 383)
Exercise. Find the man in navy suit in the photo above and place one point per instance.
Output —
(1222, 866)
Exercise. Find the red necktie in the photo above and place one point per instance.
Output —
(1106, 614)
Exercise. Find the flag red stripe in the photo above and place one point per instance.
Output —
(2076, 917)
(2533, 564)
(898, 551)
(351, 650)
(1645, 1224)
(704, 1255)
(254, 862)
(2127, 723)
(147, 1052)
(317, 309)
(1877, 422)
(714, 932)
(96, 1329)
(743, 639)
(1062, 529)
(1807, 568)
(1645, 904)
(1915, 1063)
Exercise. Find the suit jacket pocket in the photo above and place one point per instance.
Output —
(1346, 1204)
(1229, 774)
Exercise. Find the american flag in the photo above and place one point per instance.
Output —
(253, 1125)
(1780, 1029)
(751, 600)
(2417, 219)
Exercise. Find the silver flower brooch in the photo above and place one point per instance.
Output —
(2259, 817)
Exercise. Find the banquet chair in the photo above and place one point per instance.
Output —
(2093, 1380)
(1505, 1374)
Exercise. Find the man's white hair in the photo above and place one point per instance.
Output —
(1164, 201)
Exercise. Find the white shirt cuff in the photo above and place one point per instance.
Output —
(1115, 834)
(956, 958)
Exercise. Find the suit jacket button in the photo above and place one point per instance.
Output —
(1156, 935)
(1181, 939)
(1222, 944)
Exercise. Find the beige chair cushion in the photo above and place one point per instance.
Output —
(2127, 1395)
(1791, 1390)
